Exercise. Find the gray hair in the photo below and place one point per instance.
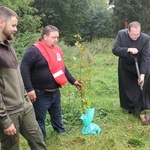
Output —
(134, 24)
(48, 29)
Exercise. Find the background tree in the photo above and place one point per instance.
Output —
(130, 10)
(27, 20)
(67, 15)
(28, 25)
(87, 18)
(99, 22)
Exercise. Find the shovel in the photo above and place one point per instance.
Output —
(145, 116)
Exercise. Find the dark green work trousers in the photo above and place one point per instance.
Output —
(27, 126)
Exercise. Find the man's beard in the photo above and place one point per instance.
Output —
(7, 34)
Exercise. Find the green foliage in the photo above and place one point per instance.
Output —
(91, 19)
(120, 130)
(84, 64)
(99, 23)
(27, 20)
(69, 39)
(129, 10)
(23, 41)
(67, 15)
(135, 142)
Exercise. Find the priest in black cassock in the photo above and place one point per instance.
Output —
(131, 43)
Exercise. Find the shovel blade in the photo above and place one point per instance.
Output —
(145, 118)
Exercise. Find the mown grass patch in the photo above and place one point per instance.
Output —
(120, 130)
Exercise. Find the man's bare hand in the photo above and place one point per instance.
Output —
(78, 84)
(133, 50)
(141, 80)
(10, 130)
(32, 96)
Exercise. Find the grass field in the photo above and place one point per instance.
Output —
(119, 130)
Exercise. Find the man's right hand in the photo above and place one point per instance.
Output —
(32, 96)
(10, 130)
(133, 50)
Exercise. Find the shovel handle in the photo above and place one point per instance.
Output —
(138, 72)
(141, 87)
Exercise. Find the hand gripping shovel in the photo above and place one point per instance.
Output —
(145, 116)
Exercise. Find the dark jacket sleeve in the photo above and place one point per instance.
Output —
(121, 44)
(28, 61)
(145, 53)
(70, 78)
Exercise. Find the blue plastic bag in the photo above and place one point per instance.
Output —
(88, 117)
(89, 127)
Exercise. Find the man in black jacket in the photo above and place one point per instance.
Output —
(44, 72)
(131, 43)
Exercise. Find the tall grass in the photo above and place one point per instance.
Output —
(120, 130)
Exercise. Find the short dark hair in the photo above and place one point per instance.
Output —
(48, 29)
(134, 24)
(7, 13)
